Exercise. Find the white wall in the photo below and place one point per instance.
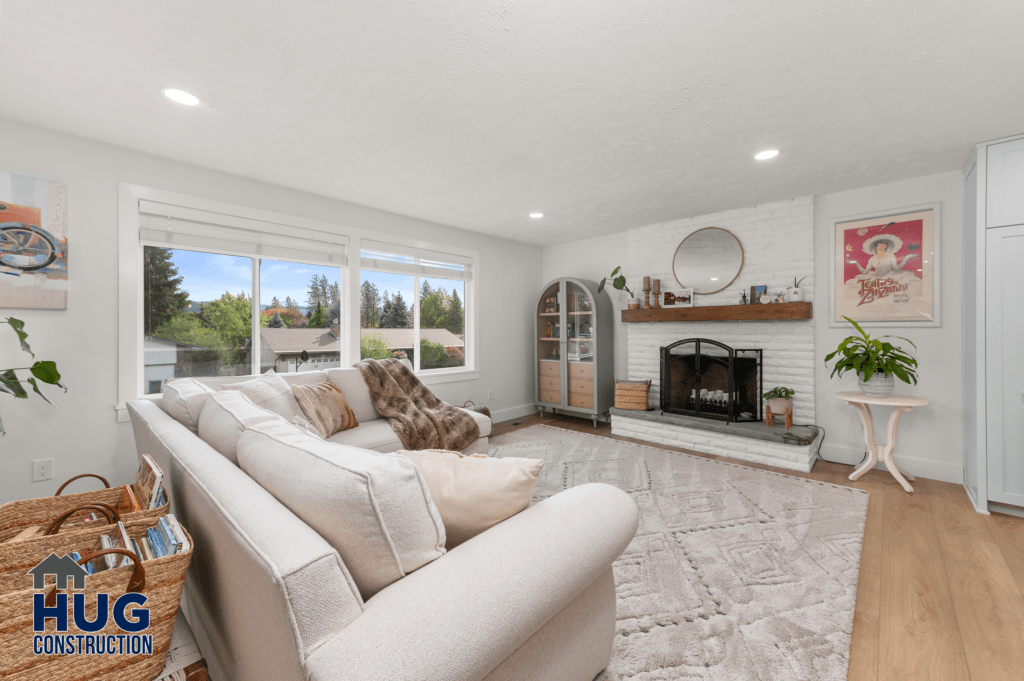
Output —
(82, 434)
(931, 438)
(594, 259)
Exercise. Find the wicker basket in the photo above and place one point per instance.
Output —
(17, 515)
(161, 580)
(631, 395)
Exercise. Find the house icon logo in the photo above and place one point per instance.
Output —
(63, 568)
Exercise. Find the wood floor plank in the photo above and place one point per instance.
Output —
(1008, 532)
(985, 595)
(919, 638)
(864, 640)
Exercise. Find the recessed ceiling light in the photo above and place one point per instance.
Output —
(714, 278)
(767, 154)
(180, 96)
(536, 216)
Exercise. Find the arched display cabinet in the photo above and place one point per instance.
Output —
(574, 360)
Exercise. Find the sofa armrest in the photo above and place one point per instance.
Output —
(460, 616)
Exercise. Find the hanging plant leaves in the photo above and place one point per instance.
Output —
(46, 372)
(19, 328)
(35, 387)
(11, 382)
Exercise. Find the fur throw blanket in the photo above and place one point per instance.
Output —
(421, 420)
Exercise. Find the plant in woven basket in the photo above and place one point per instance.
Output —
(867, 356)
(619, 282)
(11, 383)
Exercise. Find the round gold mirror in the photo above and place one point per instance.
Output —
(708, 261)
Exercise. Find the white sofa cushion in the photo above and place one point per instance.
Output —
(353, 387)
(376, 435)
(225, 416)
(184, 399)
(375, 509)
(272, 392)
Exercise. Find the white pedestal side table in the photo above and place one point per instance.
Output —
(902, 404)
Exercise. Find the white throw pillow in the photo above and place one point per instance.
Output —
(373, 508)
(184, 399)
(475, 493)
(225, 416)
(272, 392)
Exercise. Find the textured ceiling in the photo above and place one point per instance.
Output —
(473, 113)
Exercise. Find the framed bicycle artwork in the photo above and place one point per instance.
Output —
(885, 268)
(33, 243)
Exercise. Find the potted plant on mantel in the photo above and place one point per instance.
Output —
(619, 282)
(874, 361)
(779, 400)
(43, 371)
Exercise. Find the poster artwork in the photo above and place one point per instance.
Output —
(33, 243)
(884, 268)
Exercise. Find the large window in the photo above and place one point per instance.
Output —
(197, 315)
(300, 312)
(413, 306)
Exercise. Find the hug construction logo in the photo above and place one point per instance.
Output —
(88, 640)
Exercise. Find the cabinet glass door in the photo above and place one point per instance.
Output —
(549, 346)
(579, 345)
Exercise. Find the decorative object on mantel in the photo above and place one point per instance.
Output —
(902, 404)
(657, 294)
(647, 293)
(743, 298)
(874, 361)
(632, 394)
(795, 294)
(885, 268)
(721, 313)
(619, 283)
(780, 403)
(709, 259)
(684, 298)
(41, 371)
(755, 294)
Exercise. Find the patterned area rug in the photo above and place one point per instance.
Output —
(736, 574)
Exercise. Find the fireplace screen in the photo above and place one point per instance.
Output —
(701, 377)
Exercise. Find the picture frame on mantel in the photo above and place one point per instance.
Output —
(886, 268)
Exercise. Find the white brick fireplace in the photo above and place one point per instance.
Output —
(778, 244)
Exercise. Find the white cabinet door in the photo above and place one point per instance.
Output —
(1005, 195)
(1005, 364)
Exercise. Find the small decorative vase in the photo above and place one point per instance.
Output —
(880, 385)
(779, 405)
(794, 295)
(634, 306)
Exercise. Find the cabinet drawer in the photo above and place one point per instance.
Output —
(582, 400)
(581, 370)
(551, 383)
(549, 368)
(581, 385)
(550, 396)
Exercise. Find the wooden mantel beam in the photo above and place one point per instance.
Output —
(722, 313)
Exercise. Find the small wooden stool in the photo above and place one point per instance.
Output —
(769, 419)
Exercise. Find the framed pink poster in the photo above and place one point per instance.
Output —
(885, 268)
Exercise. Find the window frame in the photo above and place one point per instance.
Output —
(131, 339)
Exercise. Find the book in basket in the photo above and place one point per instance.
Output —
(144, 493)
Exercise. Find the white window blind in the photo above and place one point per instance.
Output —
(180, 227)
(384, 257)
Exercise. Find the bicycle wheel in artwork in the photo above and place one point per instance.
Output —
(33, 243)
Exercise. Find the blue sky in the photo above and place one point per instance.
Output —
(207, 276)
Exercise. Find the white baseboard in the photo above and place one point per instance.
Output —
(513, 412)
(925, 468)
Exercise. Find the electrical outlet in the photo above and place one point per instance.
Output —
(42, 469)
(490, 394)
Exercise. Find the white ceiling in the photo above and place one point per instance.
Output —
(473, 113)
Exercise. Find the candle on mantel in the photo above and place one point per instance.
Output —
(657, 287)
(647, 282)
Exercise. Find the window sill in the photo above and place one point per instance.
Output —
(449, 376)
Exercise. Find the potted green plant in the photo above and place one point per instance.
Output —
(779, 399)
(876, 362)
(619, 282)
(11, 383)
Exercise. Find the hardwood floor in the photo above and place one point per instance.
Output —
(941, 589)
